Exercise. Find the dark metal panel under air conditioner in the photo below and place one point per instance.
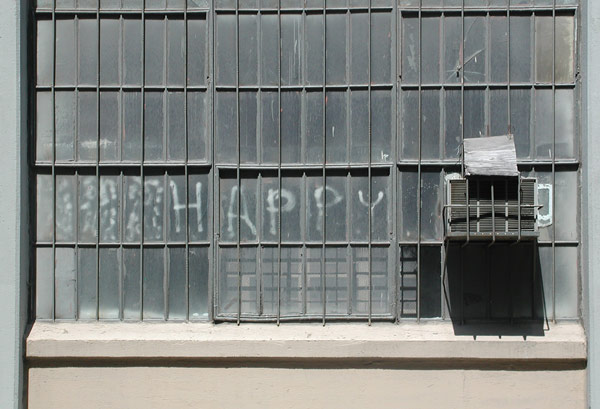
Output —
(490, 209)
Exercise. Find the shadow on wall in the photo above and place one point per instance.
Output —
(495, 289)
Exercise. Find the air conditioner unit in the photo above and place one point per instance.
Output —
(491, 209)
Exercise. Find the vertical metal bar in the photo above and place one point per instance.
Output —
(76, 156)
(553, 160)
(397, 49)
(165, 246)
(324, 197)
(186, 199)
(142, 181)
(369, 177)
(238, 175)
(98, 184)
(419, 175)
(213, 298)
(279, 164)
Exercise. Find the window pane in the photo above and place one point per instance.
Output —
(154, 303)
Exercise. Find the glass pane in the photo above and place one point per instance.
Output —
(248, 51)
(291, 117)
(154, 191)
(225, 49)
(292, 225)
(66, 63)
(430, 300)
(314, 292)
(44, 285)
(474, 62)
(45, 205)
(198, 283)
(108, 290)
(407, 269)
(520, 116)
(66, 211)
(360, 206)
(177, 284)
(249, 282)
(154, 113)
(45, 52)
(199, 207)
(197, 123)
(337, 268)
(109, 126)
(176, 51)
(335, 207)
(269, 43)
(132, 51)
(567, 302)
(314, 48)
(64, 285)
(430, 124)
(270, 279)
(177, 206)
(410, 50)
(196, 52)
(226, 127)
(228, 190)
(381, 122)
(336, 135)
(66, 111)
(87, 133)
(314, 207)
(565, 49)
(407, 206)
(155, 51)
(359, 109)
(359, 53)
(381, 218)
(44, 126)
(270, 206)
(431, 206)
(110, 196)
(132, 126)
(520, 48)
(249, 208)
(313, 123)
(176, 136)
(86, 283)
(544, 123)
(566, 202)
(88, 54)
(132, 209)
(566, 137)
(410, 125)
(452, 48)
(499, 48)
(430, 50)
(453, 126)
(292, 53)
(109, 50)
(498, 111)
(335, 42)
(381, 284)
(228, 295)
(88, 208)
(474, 111)
(543, 48)
(131, 284)
(154, 299)
(248, 127)
(381, 48)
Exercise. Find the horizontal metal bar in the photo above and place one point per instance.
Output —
(407, 86)
(124, 88)
(306, 166)
(301, 87)
(94, 12)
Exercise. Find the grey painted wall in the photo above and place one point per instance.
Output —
(591, 192)
(13, 199)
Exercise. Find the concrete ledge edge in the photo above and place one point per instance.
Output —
(406, 341)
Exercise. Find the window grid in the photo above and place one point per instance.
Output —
(82, 171)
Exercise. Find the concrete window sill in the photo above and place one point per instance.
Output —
(435, 341)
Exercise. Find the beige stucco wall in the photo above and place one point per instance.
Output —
(164, 366)
(223, 388)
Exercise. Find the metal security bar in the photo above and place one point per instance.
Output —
(266, 160)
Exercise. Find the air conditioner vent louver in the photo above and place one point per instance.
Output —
(493, 209)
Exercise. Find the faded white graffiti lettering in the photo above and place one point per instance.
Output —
(244, 214)
(272, 207)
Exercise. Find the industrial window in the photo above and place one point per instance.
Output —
(286, 160)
